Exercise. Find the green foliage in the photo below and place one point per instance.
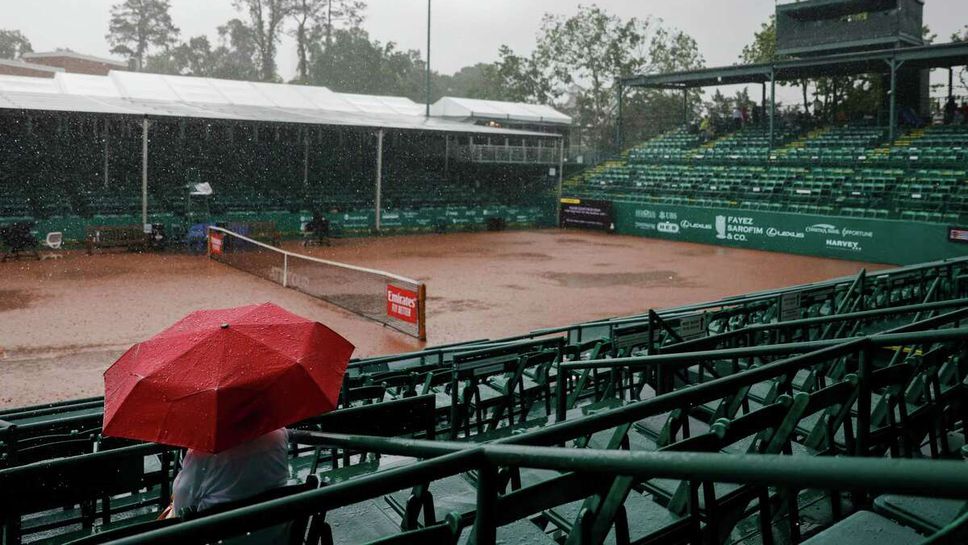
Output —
(477, 81)
(580, 59)
(13, 44)
(355, 64)
(232, 59)
(315, 20)
(265, 20)
(961, 36)
(763, 47)
(138, 25)
(524, 79)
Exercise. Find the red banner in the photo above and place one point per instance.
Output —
(401, 304)
(215, 243)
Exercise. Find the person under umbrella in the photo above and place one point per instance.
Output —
(224, 384)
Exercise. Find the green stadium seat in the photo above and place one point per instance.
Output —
(926, 515)
(865, 528)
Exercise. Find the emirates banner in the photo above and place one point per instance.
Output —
(215, 243)
(402, 304)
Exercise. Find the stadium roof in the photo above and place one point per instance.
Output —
(73, 55)
(17, 63)
(158, 95)
(921, 57)
(472, 108)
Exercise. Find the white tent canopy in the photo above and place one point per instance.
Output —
(472, 108)
(159, 95)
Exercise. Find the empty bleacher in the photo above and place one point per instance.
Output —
(67, 171)
(845, 171)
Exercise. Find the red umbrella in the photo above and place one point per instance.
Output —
(218, 378)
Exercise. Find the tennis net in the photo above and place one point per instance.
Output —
(391, 299)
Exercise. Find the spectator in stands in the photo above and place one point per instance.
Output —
(706, 128)
(958, 118)
(243, 471)
(817, 108)
(949, 110)
(745, 112)
(964, 112)
(319, 227)
(737, 117)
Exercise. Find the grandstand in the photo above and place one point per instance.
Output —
(843, 171)
(863, 187)
(129, 148)
(807, 414)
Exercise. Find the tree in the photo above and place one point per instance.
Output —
(13, 44)
(138, 25)
(316, 18)
(585, 55)
(233, 58)
(763, 50)
(480, 80)
(961, 36)
(592, 49)
(265, 24)
(524, 79)
(355, 64)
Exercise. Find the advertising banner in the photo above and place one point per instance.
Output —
(587, 214)
(215, 243)
(402, 304)
(958, 234)
(861, 239)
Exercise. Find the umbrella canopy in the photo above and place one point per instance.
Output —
(218, 378)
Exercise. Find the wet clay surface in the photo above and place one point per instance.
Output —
(62, 322)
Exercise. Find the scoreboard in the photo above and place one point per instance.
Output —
(819, 27)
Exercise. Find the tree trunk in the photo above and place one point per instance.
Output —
(806, 102)
(303, 69)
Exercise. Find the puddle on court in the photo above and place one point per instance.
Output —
(529, 256)
(16, 299)
(590, 241)
(654, 279)
(443, 304)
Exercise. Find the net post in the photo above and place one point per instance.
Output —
(422, 312)
(208, 242)
(285, 270)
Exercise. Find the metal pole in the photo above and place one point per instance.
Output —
(106, 152)
(144, 171)
(379, 176)
(762, 102)
(893, 100)
(446, 154)
(951, 82)
(561, 172)
(305, 159)
(772, 104)
(484, 531)
(685, 106)
(427, 112)
(620, 137)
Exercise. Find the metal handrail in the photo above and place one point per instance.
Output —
(816, 320)
(877, 340)
(936, 478)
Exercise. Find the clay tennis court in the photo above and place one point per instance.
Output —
(63, 321)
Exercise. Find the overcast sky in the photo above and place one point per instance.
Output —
(464, 32)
